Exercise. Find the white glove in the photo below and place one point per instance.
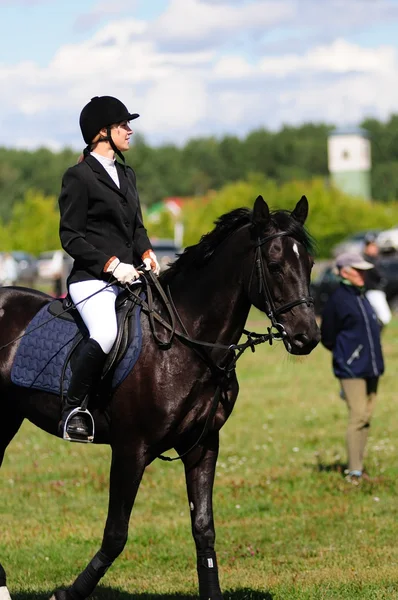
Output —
(123, 272)
(151, 262)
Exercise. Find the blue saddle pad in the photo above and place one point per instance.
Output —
(42, 352)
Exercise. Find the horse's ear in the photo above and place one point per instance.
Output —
(300, 213)
(260, 211)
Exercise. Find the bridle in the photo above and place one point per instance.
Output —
(275, 332)
(263, 288)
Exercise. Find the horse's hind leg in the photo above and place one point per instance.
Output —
(10, 422)
(200, 465)
(9, 425)
(126, 475)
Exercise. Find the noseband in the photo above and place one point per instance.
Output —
(271, 311)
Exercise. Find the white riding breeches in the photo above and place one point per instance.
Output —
(378, 300)
(97, 312)
(4, 593)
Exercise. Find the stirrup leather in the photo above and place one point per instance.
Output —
(88, 417)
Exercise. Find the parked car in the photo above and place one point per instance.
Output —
(355, 242)
(26, 267)
(327, 281)
(21, 271)
(388, 240)
(54, 264)
(166, 251)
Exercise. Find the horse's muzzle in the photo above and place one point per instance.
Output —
(303, 343)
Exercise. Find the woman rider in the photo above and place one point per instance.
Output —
(102, 229)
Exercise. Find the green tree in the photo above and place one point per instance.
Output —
(332, 217)
(34, 225)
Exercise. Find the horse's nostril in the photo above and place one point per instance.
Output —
(301, 339)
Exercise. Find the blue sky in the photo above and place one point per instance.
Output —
(194, 67)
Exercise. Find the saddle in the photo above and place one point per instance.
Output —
(47, 352)
(125, 304)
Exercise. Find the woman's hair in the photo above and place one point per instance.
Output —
(90, 147)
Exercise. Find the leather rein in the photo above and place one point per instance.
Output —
(221, 371)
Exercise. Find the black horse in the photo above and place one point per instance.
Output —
(167, 402)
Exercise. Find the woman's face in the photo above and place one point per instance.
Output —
(121, 134)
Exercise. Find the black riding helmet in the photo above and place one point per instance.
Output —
(100, 112)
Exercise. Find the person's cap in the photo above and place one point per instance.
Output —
(352, 259)
(370, 238)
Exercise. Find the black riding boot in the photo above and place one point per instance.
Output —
(88, 368)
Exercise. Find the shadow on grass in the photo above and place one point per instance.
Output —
(336, 467)
(103, 593)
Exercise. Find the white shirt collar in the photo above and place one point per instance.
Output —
(104, 160)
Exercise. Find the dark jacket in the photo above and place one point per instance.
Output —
(99, 220)
(350, 330)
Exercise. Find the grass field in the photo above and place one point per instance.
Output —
(288, 524)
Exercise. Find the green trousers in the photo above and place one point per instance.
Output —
(360, 395)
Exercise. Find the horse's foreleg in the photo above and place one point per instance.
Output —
(9, 425)
(4, 594)
(200, 465)
(125, 478)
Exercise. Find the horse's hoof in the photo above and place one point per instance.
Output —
(61, 595)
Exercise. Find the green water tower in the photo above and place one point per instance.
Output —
(349, 160)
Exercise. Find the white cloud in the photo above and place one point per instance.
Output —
(101, 10)
(338, 57)
(213, 90)
(175, 104)
(189, 23)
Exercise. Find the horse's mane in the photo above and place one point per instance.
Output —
(199, 254)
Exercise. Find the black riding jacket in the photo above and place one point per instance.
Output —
(99, 220)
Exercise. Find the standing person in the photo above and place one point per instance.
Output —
(101, 227)
(9, 269)
(374, 283)
(350, 330)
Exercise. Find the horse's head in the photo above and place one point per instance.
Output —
(279, 280)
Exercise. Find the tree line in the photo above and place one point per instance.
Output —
(209, 163)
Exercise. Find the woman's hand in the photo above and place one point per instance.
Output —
(123, 272)
(151, 262)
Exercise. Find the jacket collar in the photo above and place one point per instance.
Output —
(105, 178)
(352, 289)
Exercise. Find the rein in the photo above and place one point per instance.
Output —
(147, 307)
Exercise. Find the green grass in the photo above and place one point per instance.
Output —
(288, 525)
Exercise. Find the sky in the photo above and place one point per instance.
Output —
(194, 68)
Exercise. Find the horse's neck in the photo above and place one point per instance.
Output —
(212, 302)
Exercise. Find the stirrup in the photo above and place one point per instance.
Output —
(88, 417)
